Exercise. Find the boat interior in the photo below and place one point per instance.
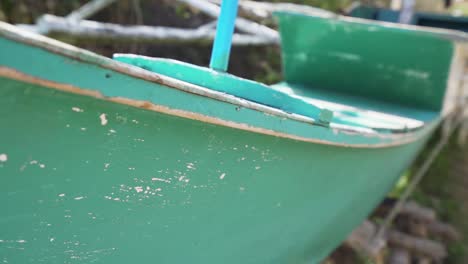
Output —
(388, 79)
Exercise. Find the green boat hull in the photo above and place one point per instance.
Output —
(148, 187)
(101, 162)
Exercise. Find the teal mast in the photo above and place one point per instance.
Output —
(223, 39)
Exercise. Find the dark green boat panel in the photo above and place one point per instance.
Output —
(390, 64)
(145, 187)
(419, 18)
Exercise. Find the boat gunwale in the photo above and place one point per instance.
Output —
(19, 35)
(443, 33)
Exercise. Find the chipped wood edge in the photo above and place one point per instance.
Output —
(16, 75)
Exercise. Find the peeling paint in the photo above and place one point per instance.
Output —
(103, 119)
(346, 56)
(417, 74)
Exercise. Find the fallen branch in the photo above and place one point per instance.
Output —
(420, 246)
(416, 211)
(265, 10)
(362, 239)
(49, 24)
(242, 24)
(443, 230)
(409, 209)
(399, 255)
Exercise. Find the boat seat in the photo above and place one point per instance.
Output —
(292, 98)
(361, 112)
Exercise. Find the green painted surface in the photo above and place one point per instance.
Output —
(84, 180)
(225, 82)
(46, 65)
(389, 64)
(147, 187)
(360, 111)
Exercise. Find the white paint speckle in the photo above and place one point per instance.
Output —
(161, 180)
(52, 239)
(222, 176)
(112, 131)
(61, 195)
(103, 118)
(83, 129)
(79, 198)
(138, 189)
(106, 165)
(3, 157)
(77, 109)
(42, 166)
(345, 56)
(21, 241)
(191, 166)
(417, 74)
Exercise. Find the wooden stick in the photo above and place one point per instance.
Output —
(424, 247)
(443, 230)
(362, 240)
(242, 24)
(85, 29)
(414, 210)
(399, 255)
(266, 9)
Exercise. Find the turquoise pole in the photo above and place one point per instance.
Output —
(223, 39)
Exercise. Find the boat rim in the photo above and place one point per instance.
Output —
(55, 46)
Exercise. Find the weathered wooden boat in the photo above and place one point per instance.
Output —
(419, 18)
(154, 160)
